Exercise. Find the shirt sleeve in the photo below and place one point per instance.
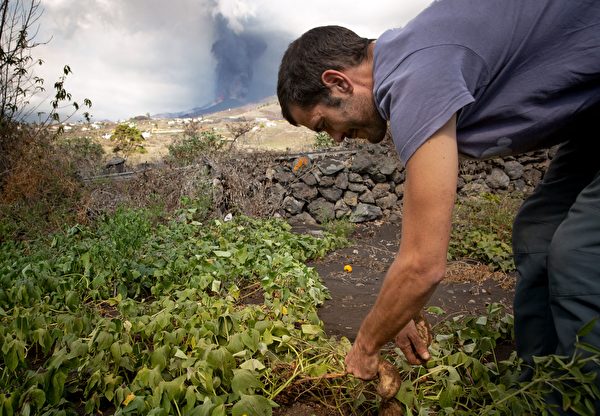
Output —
(424, 90)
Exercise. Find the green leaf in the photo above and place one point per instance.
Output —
(588, 347)
(159, 357)
(57, 386)
(115, 350)
(220, 253)
(252, 364)
(469, 348)
(219, 411)
(311, 329)
(406, 394)
(104, 340)
(235, 344)
(190, 399)
(205, 409)
(245, 381)
(587, 328)
(435, 310)
(251, 338)
(11, 358)
(175, 388)
(252, 405)
(180, 354)
(221, 359)
(78, 348)
(38, 397)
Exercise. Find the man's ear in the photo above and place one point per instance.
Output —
(337, 81)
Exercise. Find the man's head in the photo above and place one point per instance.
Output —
(325, 84)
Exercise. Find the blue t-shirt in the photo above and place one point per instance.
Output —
(515, 72)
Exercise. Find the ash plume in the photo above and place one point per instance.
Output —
(236, 55)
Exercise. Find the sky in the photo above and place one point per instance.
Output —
(137, 57)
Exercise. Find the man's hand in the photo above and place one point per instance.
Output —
(360, 363)
(412, 345)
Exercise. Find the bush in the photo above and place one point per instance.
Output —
(194, 144)
(83, 153)
(41, 188)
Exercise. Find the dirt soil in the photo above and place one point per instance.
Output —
(467, 289)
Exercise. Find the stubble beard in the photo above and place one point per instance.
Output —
(379, 130)
(371, 123)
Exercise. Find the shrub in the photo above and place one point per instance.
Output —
(194, 143)
(323, 140)
(83, 153)
(40, 190)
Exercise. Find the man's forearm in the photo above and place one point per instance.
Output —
(404, 292)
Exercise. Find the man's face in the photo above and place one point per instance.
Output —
(355, 116)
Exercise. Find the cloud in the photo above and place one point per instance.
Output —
(150, 56)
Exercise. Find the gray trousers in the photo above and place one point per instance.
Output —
(556, 245)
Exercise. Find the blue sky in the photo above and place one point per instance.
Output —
(149, 56)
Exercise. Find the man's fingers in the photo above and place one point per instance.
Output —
(419, 346)
(410, 355)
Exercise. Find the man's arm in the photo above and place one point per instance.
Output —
(429, 195)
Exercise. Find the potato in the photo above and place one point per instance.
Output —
(390, 408)
(389, 380)
(424, 329)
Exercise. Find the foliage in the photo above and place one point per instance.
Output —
(18, 82)
(194, 144)
(128, 140)
(134, 316)
(323, 140)
(185, 317)
(466, 376)
(483, 229)
(83, 153)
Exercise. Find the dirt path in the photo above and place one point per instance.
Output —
(468, 288)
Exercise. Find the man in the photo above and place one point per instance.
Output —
(480, 78)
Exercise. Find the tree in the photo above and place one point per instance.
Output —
(128, 140)
(18, 84)
(238, 130)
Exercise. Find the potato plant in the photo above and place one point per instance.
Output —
(182, 317)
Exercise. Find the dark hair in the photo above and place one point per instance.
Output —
(326, 47)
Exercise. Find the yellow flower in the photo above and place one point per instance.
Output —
(284, 310)
(348, 268)
(128, 399)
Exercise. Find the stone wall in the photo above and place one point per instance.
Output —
(367, 183)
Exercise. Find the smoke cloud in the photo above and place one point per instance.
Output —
(236, 57)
